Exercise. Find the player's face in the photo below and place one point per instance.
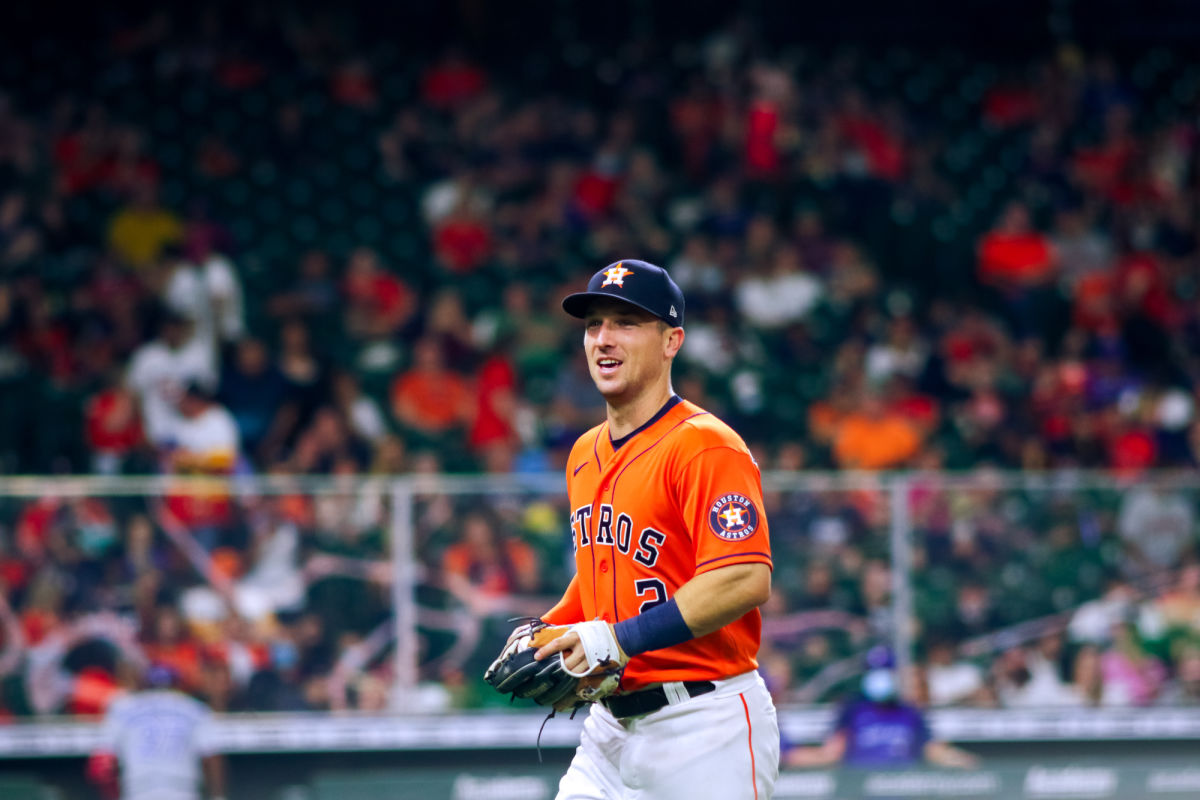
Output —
(628, 350)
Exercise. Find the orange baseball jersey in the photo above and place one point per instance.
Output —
(679, 497)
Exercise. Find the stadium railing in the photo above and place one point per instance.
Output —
(897, 550)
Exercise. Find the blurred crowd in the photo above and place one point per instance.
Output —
(283, 247)
(1022, 595)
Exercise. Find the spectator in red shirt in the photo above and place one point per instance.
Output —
(1018, 264)
(764, 122)
(113, 427)
(239, 69)
(1130, 444)
(461, 240)
(877, 142)
(596, 191)
(1013, 255)
(493, 430)
(379, 304)
(696, 118)
(452, 81)
(1142, 288)
(1147, 309)
(80, 154)
(129, 167)
(1009, 104)
(352, 84)
(1104, 168)
(1094, 309)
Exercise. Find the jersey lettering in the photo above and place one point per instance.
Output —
(604, 526)
(581, 523)
(624, 532)
(648, 544)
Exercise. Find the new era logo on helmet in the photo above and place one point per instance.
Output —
(673, 312)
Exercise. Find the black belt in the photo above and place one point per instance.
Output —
(648, 700)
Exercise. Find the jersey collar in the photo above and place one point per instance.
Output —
(673, 401)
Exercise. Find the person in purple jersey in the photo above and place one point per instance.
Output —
(157, 743)
(878, 729)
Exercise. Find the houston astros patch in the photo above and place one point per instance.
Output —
(733, 517)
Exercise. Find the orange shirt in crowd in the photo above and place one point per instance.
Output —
(495, 576)
(93, 690)
(431, 401)
(863, 442)
(183, 656)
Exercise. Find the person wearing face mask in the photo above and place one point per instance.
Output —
(878, 729)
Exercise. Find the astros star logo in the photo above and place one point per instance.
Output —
(733, 517)
(616, 275)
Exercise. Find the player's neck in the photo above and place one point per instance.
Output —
(625, 418)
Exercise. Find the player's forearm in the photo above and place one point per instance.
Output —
(704, 604)
(712, 600)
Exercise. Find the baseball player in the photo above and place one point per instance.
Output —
(158, 737)
(673, 561)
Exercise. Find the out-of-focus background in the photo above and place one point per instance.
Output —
(285, 390)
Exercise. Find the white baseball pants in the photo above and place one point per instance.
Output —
(724, 744)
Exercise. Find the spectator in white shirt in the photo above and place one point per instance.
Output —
(208, 293)
(160, 369)
(783, 294)
(953, 681)
(204, 439)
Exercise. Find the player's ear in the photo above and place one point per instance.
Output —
(672, 342)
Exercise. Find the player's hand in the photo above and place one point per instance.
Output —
(568, 645)
(527, 667)
(573, 656)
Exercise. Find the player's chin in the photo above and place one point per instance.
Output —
(611, 389)
(607, 384)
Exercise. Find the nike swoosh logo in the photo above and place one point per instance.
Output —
(581, 466)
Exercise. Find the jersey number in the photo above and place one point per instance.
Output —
(650, 586)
